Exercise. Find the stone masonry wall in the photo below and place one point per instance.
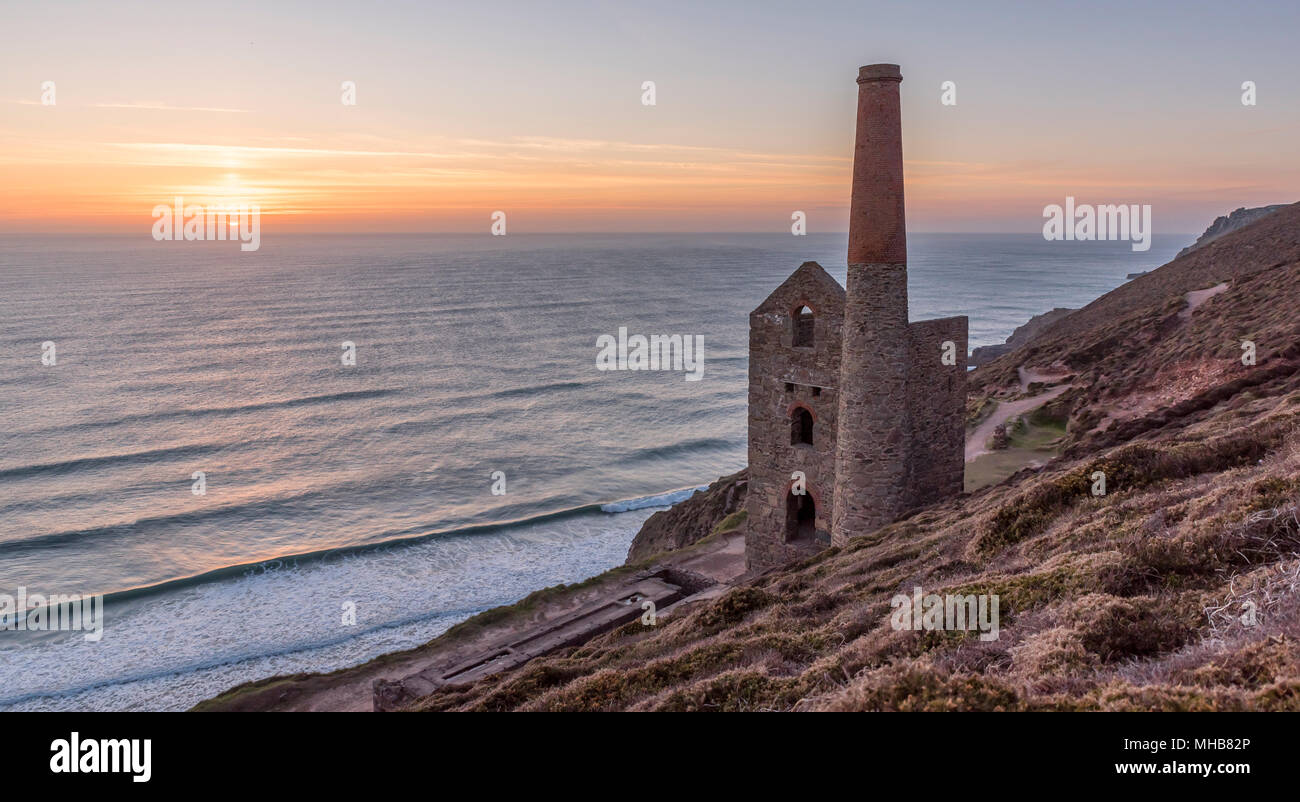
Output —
(781, 378)
(889, 417)
(937, 398)
(871, 475)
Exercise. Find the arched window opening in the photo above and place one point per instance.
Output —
(803, 327)
(801, 427)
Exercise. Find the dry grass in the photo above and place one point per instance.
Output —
(1127, 601)
(1133, 600)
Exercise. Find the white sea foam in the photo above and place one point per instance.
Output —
(170, 650)
(645, 502)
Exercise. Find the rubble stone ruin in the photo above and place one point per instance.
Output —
(868, 407)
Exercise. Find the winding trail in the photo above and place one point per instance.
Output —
(977, 440)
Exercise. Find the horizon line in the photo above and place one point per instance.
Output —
(94, 233)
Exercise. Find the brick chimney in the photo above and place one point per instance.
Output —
(876, 227)
(874, 439)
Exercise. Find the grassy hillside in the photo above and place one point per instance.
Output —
(1136, 599)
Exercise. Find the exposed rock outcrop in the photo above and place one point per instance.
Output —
(691, 520)
(1230, 222)
(1021, 336)
(1000, 439)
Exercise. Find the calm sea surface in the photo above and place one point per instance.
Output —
(370, 486)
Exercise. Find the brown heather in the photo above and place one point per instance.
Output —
(1128, 601)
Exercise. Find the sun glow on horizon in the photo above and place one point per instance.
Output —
(552, 129)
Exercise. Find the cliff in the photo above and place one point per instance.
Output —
(1021, 336)
(690, 520)
(1229, 222)
(1175, 588)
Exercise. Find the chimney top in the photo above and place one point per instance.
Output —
(877, 231)
(879, 72)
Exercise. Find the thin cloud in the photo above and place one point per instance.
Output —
(166, 107)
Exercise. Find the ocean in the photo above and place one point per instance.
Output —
(472, 454)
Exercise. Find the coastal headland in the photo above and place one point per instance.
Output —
(1132, 598)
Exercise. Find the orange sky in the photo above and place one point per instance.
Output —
(543, 184)
(539, 114)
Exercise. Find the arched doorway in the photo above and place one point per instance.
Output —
(800, 517)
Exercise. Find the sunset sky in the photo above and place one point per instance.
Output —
(535, 109)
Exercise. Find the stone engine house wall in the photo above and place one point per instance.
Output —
(783, 379)
(888, 417)
(936, 394)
